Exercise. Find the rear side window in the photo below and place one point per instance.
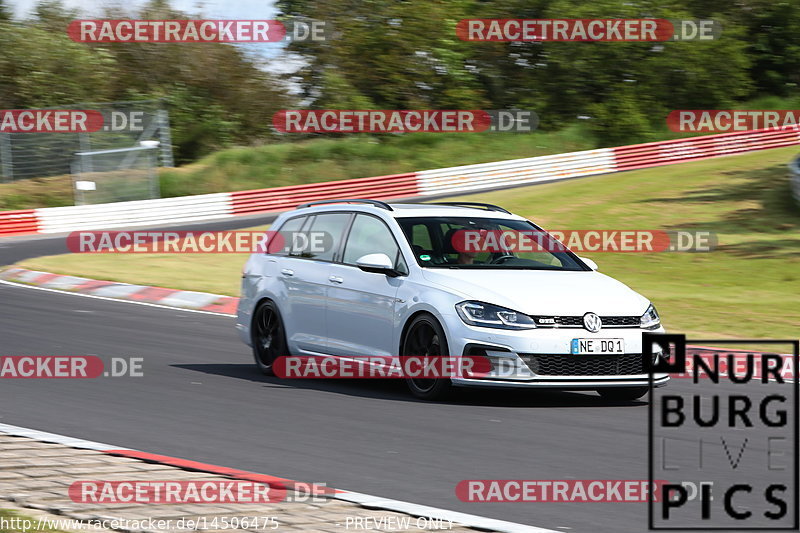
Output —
(369, 235)
(325, 235)
(286, 231)
(293, 224)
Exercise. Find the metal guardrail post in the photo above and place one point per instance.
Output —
(794, 177)
(165, 138)
(6, 167)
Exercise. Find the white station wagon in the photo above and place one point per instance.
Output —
(390, 282)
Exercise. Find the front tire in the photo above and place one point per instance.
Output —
(269, 337)
(425, 337)
(623, 394)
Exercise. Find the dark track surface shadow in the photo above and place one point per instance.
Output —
(395, 390)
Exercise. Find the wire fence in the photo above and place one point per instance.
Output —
(37, 155)
(794, 175)
(117, 175)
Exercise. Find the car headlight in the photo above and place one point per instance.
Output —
(493, 316)
(650, 319)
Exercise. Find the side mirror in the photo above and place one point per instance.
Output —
(591, 264)
(377, 263)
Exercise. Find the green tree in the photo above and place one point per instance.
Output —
(40, 68)
(394, 54)
(772, 37)
(53, 15)
(406, 54)
(5, 13)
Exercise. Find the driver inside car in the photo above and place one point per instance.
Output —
(464, 255)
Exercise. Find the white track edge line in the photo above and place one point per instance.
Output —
(365, 500)
(107, 298)
(44, 436)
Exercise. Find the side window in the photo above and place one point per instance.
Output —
(287, 231)
(369, 235)
(325, 235)
(421, 237)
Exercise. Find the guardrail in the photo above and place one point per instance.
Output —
(136, 213)
(516, 172)
(794, 176)
(286, 198)
(18, 222)
(453, 180)
(694, 148)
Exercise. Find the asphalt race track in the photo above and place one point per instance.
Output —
(201, 398)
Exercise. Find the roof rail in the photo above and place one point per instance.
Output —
(476, 205)
(376, 203)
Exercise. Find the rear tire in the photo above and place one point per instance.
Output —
(269, 337)
(623, 394)
(423, 337)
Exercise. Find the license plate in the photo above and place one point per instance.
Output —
(597, 346)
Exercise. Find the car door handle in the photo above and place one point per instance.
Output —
(287, 272)
(336, 279)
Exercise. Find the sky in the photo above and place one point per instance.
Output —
(230, 9)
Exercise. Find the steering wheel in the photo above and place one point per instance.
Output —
(501, 258)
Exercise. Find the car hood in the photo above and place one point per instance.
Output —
(542, 292)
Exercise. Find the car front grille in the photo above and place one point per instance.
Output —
(621, 321)
(585, 365)
(544, 321)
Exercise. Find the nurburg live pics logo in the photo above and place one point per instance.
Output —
(731, 430)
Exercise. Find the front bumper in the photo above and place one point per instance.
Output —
(516, 348)
(566, 382)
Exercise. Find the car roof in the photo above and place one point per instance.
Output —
(411, 210)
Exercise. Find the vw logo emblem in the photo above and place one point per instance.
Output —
(592, 322)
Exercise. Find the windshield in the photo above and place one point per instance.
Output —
(467, 242)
